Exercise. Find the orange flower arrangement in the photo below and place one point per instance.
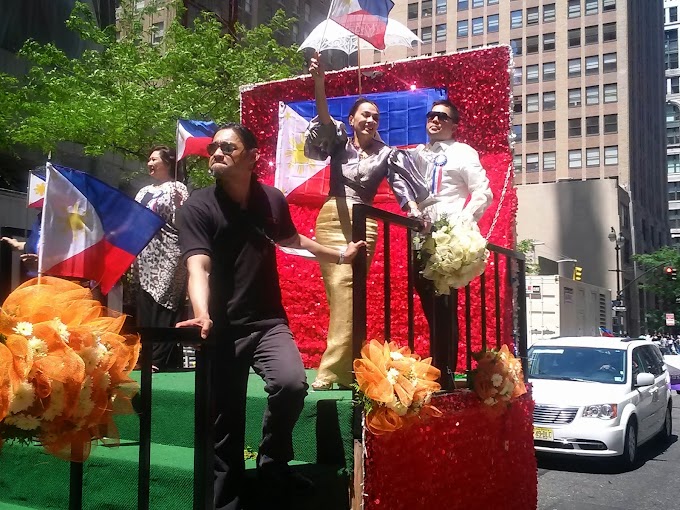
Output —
(395, 386)
(64, 369)
(498, 378)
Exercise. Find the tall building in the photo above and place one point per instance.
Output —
(671, 25)
(588, 119)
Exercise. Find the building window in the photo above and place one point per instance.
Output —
(591, 35)
(516, 19)
(592, 125)
(673, 164)
(517, 104)
(462, 28)
(157, 32)
(441, 7)
(672, 124)
(608, 5)
(549, 42)
(611, 155)
(308, 11)
(295, 31)
(549, 130)
(477, 3)
(611, 123)
(610, 94)
(593, 95)
(548, 13)
(532, 163)
(575, 158)
(671, 48)
(532, 16)
(672, 14)
(549, 71)
(248, 6)
(609, 32)
(575, 127)
(517, 163)
(593, 156)
(548, 100)
(413, 11)
(463, 5)
(574, 37)
(517, 77)
(574, 97)
(592, 65)
(477, 26)
(608, 62)
(574, 68)
(673, 85)
(426, 9)
(532, 103)
(426, 35)
(532, 44)
(532, 74)
(574, 9)
(517, 129)
(532, 132)
(591, 7)
(491, 2)
(492, 23)
(549, 161)
(516, 45)
(440, 34)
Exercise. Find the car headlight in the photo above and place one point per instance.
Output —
(602, 411)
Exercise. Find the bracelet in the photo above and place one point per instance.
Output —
(341, 258)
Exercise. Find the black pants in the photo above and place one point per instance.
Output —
(274, 356)
(151, 314)
(439, 312)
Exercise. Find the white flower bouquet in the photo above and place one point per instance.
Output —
(454, 253)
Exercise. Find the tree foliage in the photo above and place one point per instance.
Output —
(127, 94)
(654, 279)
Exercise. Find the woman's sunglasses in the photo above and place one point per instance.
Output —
(442, 116)
(225, 147)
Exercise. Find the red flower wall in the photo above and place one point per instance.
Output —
(478, 83)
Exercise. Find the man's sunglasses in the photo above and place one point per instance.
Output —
(225, 147)
(442, 116)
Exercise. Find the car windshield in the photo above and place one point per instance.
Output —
(588, 364)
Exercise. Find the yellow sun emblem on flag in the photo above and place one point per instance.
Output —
(76, 218)
(40, 189)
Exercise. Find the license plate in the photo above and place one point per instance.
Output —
(543, 434)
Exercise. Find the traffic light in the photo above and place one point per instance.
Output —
(577, 272)
(670, 272)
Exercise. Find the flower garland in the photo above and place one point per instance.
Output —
(395, 386)
(498, 378)
(64, 369)
(453, 253)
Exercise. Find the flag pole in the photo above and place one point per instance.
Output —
(323, 35)
(359, 62)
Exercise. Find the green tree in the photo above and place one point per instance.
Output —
(654, 279)
(526, 246)
(127, 94)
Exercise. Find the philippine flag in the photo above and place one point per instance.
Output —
(365, 18)
(36, 190)
(605, 332)
(89, 229)
(306, 181)
(193, 137)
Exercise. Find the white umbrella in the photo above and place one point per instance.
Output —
(329, 35)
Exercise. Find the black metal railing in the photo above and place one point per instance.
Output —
(443, 349)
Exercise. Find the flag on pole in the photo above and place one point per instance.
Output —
(36, 190)
(365, 18)
(89, 229)
(305, 181)
(605, 332)
(193, 137)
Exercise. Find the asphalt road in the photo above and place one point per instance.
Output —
(584, 484)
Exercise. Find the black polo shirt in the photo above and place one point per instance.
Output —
(244, 281)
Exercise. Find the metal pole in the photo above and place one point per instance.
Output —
(618, 284)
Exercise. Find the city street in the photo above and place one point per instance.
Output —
(565, 484)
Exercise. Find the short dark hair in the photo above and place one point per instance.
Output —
(167, 154)
(245, 134)
(358, 103)
(455, 116)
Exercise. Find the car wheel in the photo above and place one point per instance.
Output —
(667, 430)
(629, 456)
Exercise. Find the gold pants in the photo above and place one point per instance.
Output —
(334, 229)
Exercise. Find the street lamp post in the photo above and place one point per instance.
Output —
(618, 240)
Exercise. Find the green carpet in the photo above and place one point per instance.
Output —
(31, 479)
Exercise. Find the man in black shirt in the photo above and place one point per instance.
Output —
(228, 234)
